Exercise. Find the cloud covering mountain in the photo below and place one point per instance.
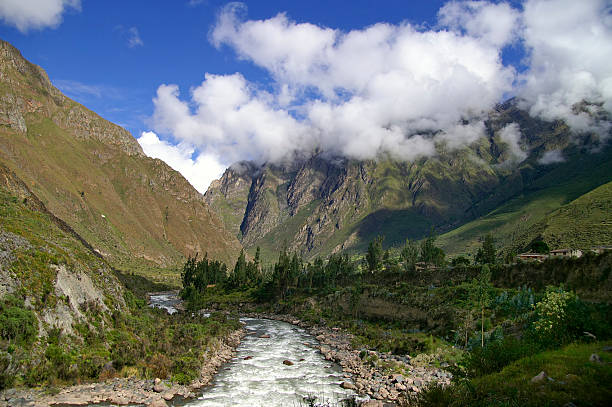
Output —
(397, 90)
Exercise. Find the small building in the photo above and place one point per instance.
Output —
(532, 257)
(601, 249)
(566, 253)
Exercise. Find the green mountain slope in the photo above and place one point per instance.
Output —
(135, 211)
(566, 206)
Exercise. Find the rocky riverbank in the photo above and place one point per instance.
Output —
(124, 391)
(385, 378)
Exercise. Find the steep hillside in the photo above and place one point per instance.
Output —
(135, 211)
(326, 204)
(50, 283)
(552, 207)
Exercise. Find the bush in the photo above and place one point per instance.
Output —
(7, 377)
(159, 365)
(186, 369)
(59, 361)
(17, 323)
(496, 355)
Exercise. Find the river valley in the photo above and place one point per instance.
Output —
(276, 364)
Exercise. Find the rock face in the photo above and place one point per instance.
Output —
(93, 175)
(324, 204)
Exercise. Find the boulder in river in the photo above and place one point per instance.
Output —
(348, 385)
(265, 336)
(287, 362)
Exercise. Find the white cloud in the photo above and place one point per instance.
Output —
(381, 90)
(511, 135)
(551, 157)
(35, 14)
(570, 45)
(495, 23)
(200, 172)
(391, 89)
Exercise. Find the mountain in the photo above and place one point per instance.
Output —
(51, 284)
(135, 211)
(326, 204)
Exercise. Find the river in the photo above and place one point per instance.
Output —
(279, 370)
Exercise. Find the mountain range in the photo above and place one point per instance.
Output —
(325, 204)
(139, 214)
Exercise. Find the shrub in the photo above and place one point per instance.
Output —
(59, 361)
(159, 365)
(496, 355)
(17, 323)
(7, 376)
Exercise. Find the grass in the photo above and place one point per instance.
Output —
(514, 223)
(573, 379)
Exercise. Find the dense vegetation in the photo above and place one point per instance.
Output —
(482, 317)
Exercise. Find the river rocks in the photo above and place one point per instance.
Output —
(595, 358)
(128, 391)
(397, 378)
(348, 385)
(264, 336)
(539, 377)
(372, 403)
(287, 362)
(248, 358)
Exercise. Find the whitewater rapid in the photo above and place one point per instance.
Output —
(279, 370)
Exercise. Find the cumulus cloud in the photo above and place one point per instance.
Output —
(392, 89)
(199, 171)
(495, 23)
(35, 14)
(385, 89)
(570, 48)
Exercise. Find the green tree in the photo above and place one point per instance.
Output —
(430, 253)
(374, 255)
(487, 254)
(410, 255)
(481, 294)
(538, 246)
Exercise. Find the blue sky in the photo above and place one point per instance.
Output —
(91, 46)
(205, 83)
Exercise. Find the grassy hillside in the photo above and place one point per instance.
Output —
(552, 207)
(571, 379)
(135, 211)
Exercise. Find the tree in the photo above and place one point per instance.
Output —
(431, 254)
(410, 255)
(239, 275)
(460, 261)
(374, 255)
(487, 254)
(538, 246)
(481, 294)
